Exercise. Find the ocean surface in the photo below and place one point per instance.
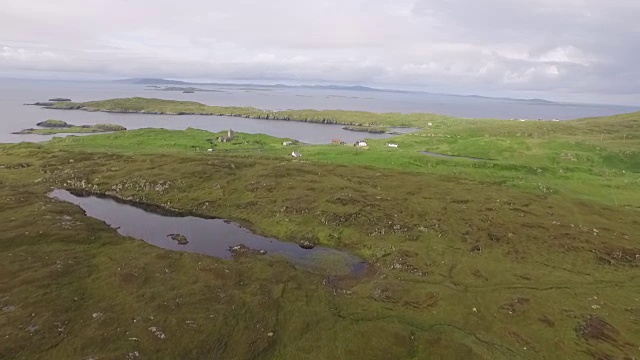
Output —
(15, 116)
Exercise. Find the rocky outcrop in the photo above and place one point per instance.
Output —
(59, 99)
(40, 103)
(181, 239)
(305, 244)
(24, 131)
(243, 249)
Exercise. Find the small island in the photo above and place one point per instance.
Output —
(50, 127)
(367, 129)
(51, 123)
(42, 103)
(186, 90)
(59, 99)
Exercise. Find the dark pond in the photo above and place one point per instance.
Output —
(212, 237)
(451, 156)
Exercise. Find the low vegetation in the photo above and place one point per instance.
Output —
(533, 254)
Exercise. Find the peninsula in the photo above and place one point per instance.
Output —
(50, 127)
(174, 107)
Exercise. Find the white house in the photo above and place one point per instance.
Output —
(286, 143)
(393, 145)
(362, 144)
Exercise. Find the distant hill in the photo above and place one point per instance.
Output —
(343, 87)
(530, 101)
(152, 81)
(155, 81)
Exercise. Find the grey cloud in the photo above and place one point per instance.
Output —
(587, 48)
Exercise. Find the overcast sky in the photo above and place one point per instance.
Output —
(560, 49)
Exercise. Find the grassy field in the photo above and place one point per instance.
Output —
(532, 254)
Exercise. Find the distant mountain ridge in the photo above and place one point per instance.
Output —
(155, 81)
(152, 81)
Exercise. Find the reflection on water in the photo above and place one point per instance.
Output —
(212, 237)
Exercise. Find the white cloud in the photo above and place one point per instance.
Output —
(555, 46)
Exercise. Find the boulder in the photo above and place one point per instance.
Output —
(306, 244)
(181, 239)
(243, 249)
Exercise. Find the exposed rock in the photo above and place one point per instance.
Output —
(97, 315)
(24, 131)
(181, 239)
(596, 328)
(33, 328)
(381, 294)
(41, 103)
(308, 241)
(306, 244)
(157, 332)
(15, 166)
(476, 248)
(242, 249)
(616, 255)
(9, 308)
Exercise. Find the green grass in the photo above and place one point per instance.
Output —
(554, 211)
(162, 140)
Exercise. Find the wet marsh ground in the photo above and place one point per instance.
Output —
(534, 254)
